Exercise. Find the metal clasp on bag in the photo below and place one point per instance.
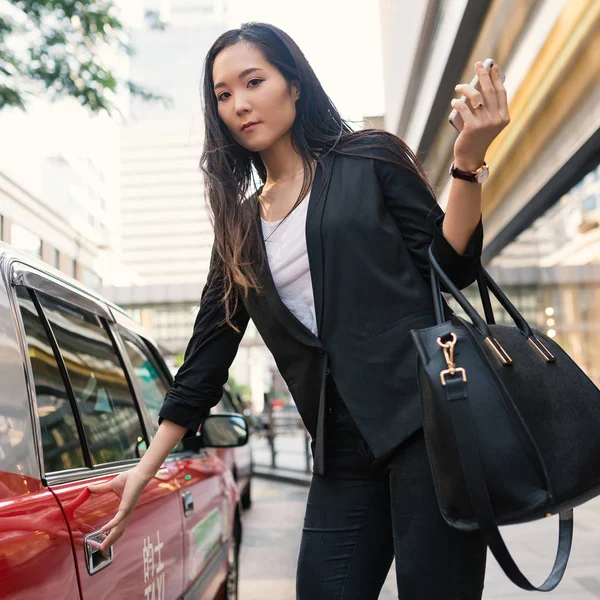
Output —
(448, 348)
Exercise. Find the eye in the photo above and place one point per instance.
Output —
(220, 97)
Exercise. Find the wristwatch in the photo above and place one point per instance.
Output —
(478, 176)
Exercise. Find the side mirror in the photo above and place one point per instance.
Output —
(226, 430)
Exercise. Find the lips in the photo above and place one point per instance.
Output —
(249, 126)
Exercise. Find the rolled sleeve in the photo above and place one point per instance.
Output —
(420, 218)
(460, 268)
(198, 384)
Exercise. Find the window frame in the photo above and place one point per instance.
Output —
(66, 377)
(116, 332)
(68, 295)
(163, 371)
(152, 350)
(62, 369)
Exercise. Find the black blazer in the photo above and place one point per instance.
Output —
(369, 226)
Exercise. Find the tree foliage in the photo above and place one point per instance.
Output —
(64, 48)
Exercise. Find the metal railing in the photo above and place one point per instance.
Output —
(284, 443)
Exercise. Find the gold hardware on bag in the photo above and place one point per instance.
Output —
(494, 344)
(537, 344)
(448, 348)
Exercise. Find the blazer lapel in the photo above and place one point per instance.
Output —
(314, 218)
(314, 222)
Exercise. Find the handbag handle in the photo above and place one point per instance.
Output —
(486, 284)
(484, 293)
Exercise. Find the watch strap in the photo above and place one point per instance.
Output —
(466, 175)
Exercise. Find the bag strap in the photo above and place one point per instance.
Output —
(485, 283)
(464, 430)
(484, 293)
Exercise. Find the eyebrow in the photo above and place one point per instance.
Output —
(242, 74)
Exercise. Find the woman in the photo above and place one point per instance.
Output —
(329, 259)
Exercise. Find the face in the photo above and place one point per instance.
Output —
(260, 96)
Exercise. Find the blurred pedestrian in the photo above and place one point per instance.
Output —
(328, 256)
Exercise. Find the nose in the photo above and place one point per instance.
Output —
(241, 104)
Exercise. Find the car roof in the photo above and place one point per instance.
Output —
(10, 252)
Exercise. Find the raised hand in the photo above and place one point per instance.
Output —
(485, 115)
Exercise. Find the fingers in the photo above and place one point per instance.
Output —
(111, 538)
(486, 85)
(492, 98)
(475, 97)
(465, 112)
(472, 97)
(116, 520)
(501, 96)
(113, 530)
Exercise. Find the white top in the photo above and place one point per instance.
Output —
(288, 262)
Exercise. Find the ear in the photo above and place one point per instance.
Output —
(295, 88)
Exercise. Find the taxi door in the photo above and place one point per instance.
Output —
(90, 430)
(204, 483)
(207, 521)
(146, 561)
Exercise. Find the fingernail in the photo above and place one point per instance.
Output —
(479, 64)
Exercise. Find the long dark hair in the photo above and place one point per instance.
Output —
(238, 252)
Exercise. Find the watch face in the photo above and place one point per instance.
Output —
(481, 177)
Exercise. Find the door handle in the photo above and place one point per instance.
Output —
(96, 559)
(188, 503)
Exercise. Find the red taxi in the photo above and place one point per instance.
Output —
(80, 389)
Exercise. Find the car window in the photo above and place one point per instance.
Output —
(237, 404)
(224, 405)
(60, 439)
(148, 373)
(104, 400)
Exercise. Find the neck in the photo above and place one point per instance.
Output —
(281, 160)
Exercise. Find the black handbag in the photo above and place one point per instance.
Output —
(512, 424)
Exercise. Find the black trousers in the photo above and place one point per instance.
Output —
(363, 512)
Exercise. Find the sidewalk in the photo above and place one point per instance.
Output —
(533, 545)
(273, 526)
